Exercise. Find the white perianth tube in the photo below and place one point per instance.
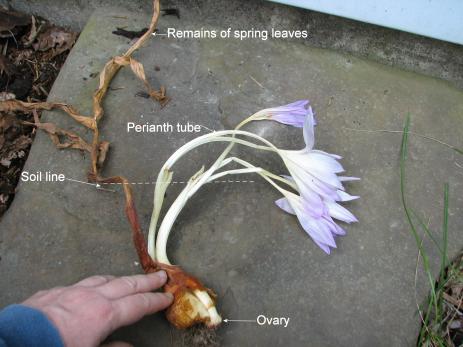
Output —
(165, 174)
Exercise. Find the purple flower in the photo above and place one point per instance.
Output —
(322, 229)
(315, 174)
(292, 114)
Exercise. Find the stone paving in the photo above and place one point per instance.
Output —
(254, 256)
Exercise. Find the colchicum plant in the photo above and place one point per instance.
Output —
(312, 191)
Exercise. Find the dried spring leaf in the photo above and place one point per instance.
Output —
(103, 149)
(13, 106)
(107, 74)
(139, 71)
(57, 134)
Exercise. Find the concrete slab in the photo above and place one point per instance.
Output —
(254, 256)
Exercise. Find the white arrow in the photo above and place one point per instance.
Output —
(77, 181)
(205, 127)
(158, 34)
(240, 320)
(96, 185)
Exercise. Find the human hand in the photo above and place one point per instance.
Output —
(88, 311)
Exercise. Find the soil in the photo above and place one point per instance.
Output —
(200, 336)
(442, 324)
(32, 52)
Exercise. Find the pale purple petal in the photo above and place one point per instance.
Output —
(288, 120)
(318, 230)
(321, 162)
(318, 165)
(336, 229)
(330, 179)
(312, 198)
(347, 179)
(335, 156)
(315, 173)
(339, 212)
(324, 247)
(326, 178)
(346, 197)
(284, 205)
(315, 206)
(326, 191)
(308, 183)
(291, 114)
(308, 130)
(339, 231)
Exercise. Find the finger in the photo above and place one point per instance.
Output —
(132, 308)
(95, 281)
(117, 344)
(129, 285)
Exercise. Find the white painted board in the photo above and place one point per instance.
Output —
(439, 19)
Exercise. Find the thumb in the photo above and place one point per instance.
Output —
(117, 344)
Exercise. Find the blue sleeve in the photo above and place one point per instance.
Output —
(22, 326)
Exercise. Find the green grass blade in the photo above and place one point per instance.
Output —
(403, 158)
(444, 260)
(426, 230)
(445, 227)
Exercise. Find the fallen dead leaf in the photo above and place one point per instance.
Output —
(34, 32)
(23, 55)
(56, 39)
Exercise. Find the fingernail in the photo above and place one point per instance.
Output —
(162, 275)
(169, 296)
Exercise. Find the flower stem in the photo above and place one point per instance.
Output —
(191, 188)
(157, 245)
(165, 174)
